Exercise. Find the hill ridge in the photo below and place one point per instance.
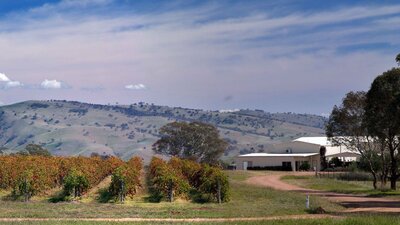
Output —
(74, 128)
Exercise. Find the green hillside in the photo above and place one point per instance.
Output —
(74, 128)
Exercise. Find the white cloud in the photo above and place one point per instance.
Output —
(135, 86)
(6, 82)
(1, 103)
(51, 84)
(4, 78)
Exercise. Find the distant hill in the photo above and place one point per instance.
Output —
(75, 128)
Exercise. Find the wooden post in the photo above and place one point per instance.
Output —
(121, 192)
(26, 190)
(219, 192)
(308, 201)
(170, 191)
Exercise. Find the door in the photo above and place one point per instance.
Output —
(287, 166)
(245, 165)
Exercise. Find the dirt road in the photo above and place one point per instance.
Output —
(353, 203)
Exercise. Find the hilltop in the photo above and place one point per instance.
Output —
(75, 128)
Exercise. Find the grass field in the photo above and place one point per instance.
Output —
(339, 186)
(247, 201)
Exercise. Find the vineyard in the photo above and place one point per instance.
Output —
(187, 179)
(27, 176)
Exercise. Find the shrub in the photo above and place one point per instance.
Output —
(305, 166)
(354, 176)
(214, 183)
(125, 179)
(183, 177)
(75, 184)
(44, 173)
(336, 162)
(166, 181)
(39, 105)
(25, 186)
(117, 187)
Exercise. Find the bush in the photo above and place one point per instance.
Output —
(184, 177)
(336, 162)
(117, 187)
(354, 176)
(34, 174)
(25, 186)
(125, 179)
(167, 181)
(75, 184)
(214, 183)
(305, 166)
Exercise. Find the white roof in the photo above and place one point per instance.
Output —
(278, 155)
(321, 141)
(345, 154)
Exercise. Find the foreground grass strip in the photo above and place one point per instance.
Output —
(247, 201)
(171, 219)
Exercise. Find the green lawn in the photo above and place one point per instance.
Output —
(339, 186)
(365, 220)
(247, 201)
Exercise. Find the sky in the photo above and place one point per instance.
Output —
(278, 56)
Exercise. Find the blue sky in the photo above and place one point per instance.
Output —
(298, 56)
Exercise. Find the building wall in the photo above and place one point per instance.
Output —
(276, 161)
(262, 161)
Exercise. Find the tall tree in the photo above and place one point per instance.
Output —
(398, 59)
(196, 141)
(382, 116)
(346, 127)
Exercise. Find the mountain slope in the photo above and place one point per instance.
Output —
(74, 128)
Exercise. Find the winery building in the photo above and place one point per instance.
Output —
(294, 153)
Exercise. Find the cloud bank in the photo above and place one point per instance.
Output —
(6, 83)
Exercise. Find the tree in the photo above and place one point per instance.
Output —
(34, 149)
(346, 127)
(398, 59)
(382, 116)
(196, 141)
